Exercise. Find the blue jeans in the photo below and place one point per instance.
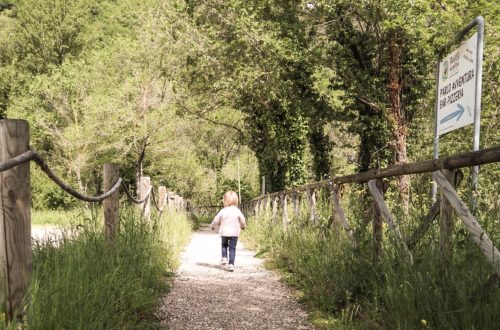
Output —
(229, 242)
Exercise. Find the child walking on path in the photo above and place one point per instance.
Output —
(230, 221)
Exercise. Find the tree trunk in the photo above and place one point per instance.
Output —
(399, 127)
(139, 167)
(320, 149)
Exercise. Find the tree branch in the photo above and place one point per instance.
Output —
(198, 115)
(368, 103)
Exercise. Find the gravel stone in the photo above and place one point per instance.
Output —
(207, 296)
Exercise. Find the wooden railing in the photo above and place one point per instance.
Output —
(444, 170)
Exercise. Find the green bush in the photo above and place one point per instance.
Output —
(46, 195)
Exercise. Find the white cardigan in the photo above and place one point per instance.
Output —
(229, 221)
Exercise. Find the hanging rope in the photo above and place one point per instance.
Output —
(33, 155)
(156, 203)
(132, 199)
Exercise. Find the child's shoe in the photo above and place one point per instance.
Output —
(231, 268)
(223, 261)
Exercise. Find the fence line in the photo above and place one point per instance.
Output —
(15, 215)
(467, 159)
(32, 155)
(446, 174)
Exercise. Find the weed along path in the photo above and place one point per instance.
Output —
(206, 296)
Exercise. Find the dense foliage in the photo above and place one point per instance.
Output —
(182, 90)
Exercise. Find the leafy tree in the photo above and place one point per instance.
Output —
(253, 57)
(383, 53)
(49, 31)
(7, 55)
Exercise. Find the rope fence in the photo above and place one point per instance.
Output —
(32, 155)
(15, 205)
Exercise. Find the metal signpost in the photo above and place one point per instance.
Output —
(458, 90)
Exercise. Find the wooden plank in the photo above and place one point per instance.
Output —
(182, 204)
(446, 222)
(144, 185)
(478, 235)
(377, 227)
(275, 208)
(284, 213)
(313, 214)
(175, 203)
(341, 215)
(431, 215)
(162, 200)
(16, 257)
(380, 203)
(384, 210)
(295, 204)
(480, 157)
(170, 202)
(111, 205)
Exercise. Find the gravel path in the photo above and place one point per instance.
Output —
(206, 296)
(45, 233)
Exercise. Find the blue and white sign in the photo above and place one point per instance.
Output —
(457, 88)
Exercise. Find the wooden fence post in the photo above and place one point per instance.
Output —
(446, 221)
(176, 203)
(170, 201)
(295, 205)
(275, 208)
(181, 204)
(284, 206)
(162, 199)
(313, 215)
(16, 256)
(378, 223)
(111, 205)
(144, 186)
(477, 233)
(377, 190)
(340, 215)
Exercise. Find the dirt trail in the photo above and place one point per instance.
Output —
(45, 232)
(206, 296)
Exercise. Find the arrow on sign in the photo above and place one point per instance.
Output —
(454, 114)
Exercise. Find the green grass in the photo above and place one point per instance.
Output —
(86, 282)
(346, 289)
(58, 218)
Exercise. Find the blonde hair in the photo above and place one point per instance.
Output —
(230, 198)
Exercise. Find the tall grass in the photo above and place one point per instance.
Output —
(348, 288)
(82, 281)
(59, 218)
